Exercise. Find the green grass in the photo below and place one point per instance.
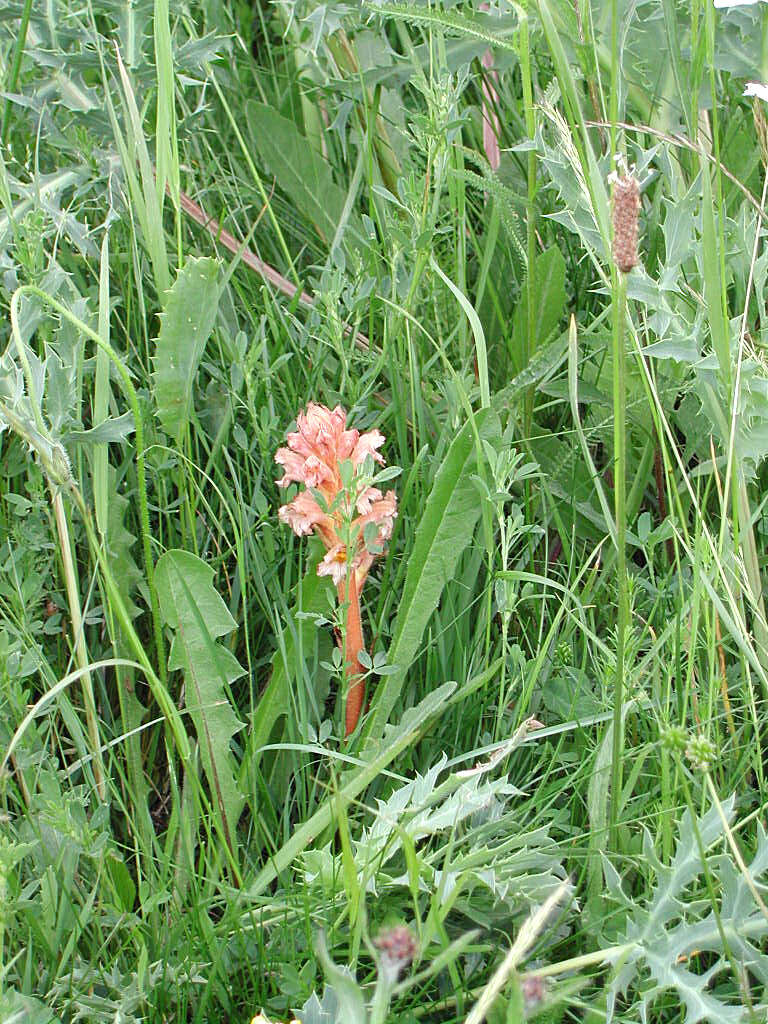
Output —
(212, 214)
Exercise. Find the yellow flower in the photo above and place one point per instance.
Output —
(261, 1019)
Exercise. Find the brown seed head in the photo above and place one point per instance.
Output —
(626, 206)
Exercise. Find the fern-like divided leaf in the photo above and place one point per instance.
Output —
(186, 324)
(678, 933)
(195, 611)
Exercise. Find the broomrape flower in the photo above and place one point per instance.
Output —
(340, 505)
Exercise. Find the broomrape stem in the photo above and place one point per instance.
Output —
(626, 205)
(353, 645)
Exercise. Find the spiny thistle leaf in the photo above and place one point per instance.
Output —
(496, 877)
(674, 928)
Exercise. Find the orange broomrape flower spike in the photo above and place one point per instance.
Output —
(352, 518)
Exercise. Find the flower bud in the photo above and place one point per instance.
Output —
(701, 753)
(533, 988)
(57, 466)
(397, 947)
(674, 739)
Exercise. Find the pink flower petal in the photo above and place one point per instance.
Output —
(312, 458)
(293, 465)
(383, 513)
(302, 514)
(367, 445)
(322, 426)
(299, 444)
(366, 499)
(346, 443)
(316, 472)
(334, 564)
(362, 566)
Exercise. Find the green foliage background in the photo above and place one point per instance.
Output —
(212, 213)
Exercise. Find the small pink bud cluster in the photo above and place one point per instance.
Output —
(314, 457)
(533, 988)
(397, 948)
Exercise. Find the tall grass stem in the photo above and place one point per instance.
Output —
(133, 401)
(13, 77)
(78, 638)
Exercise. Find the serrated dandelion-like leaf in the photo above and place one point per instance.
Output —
(198, 616)
(190, 312)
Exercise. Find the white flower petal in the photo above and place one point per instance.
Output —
(757, 89)
(738, 3)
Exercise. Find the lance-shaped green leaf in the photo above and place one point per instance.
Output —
(186, 324)
(305, 175)
(549, 275)
(195, 611)
(276, 701)
(446, 528)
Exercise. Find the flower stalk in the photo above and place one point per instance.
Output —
(626, 206)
